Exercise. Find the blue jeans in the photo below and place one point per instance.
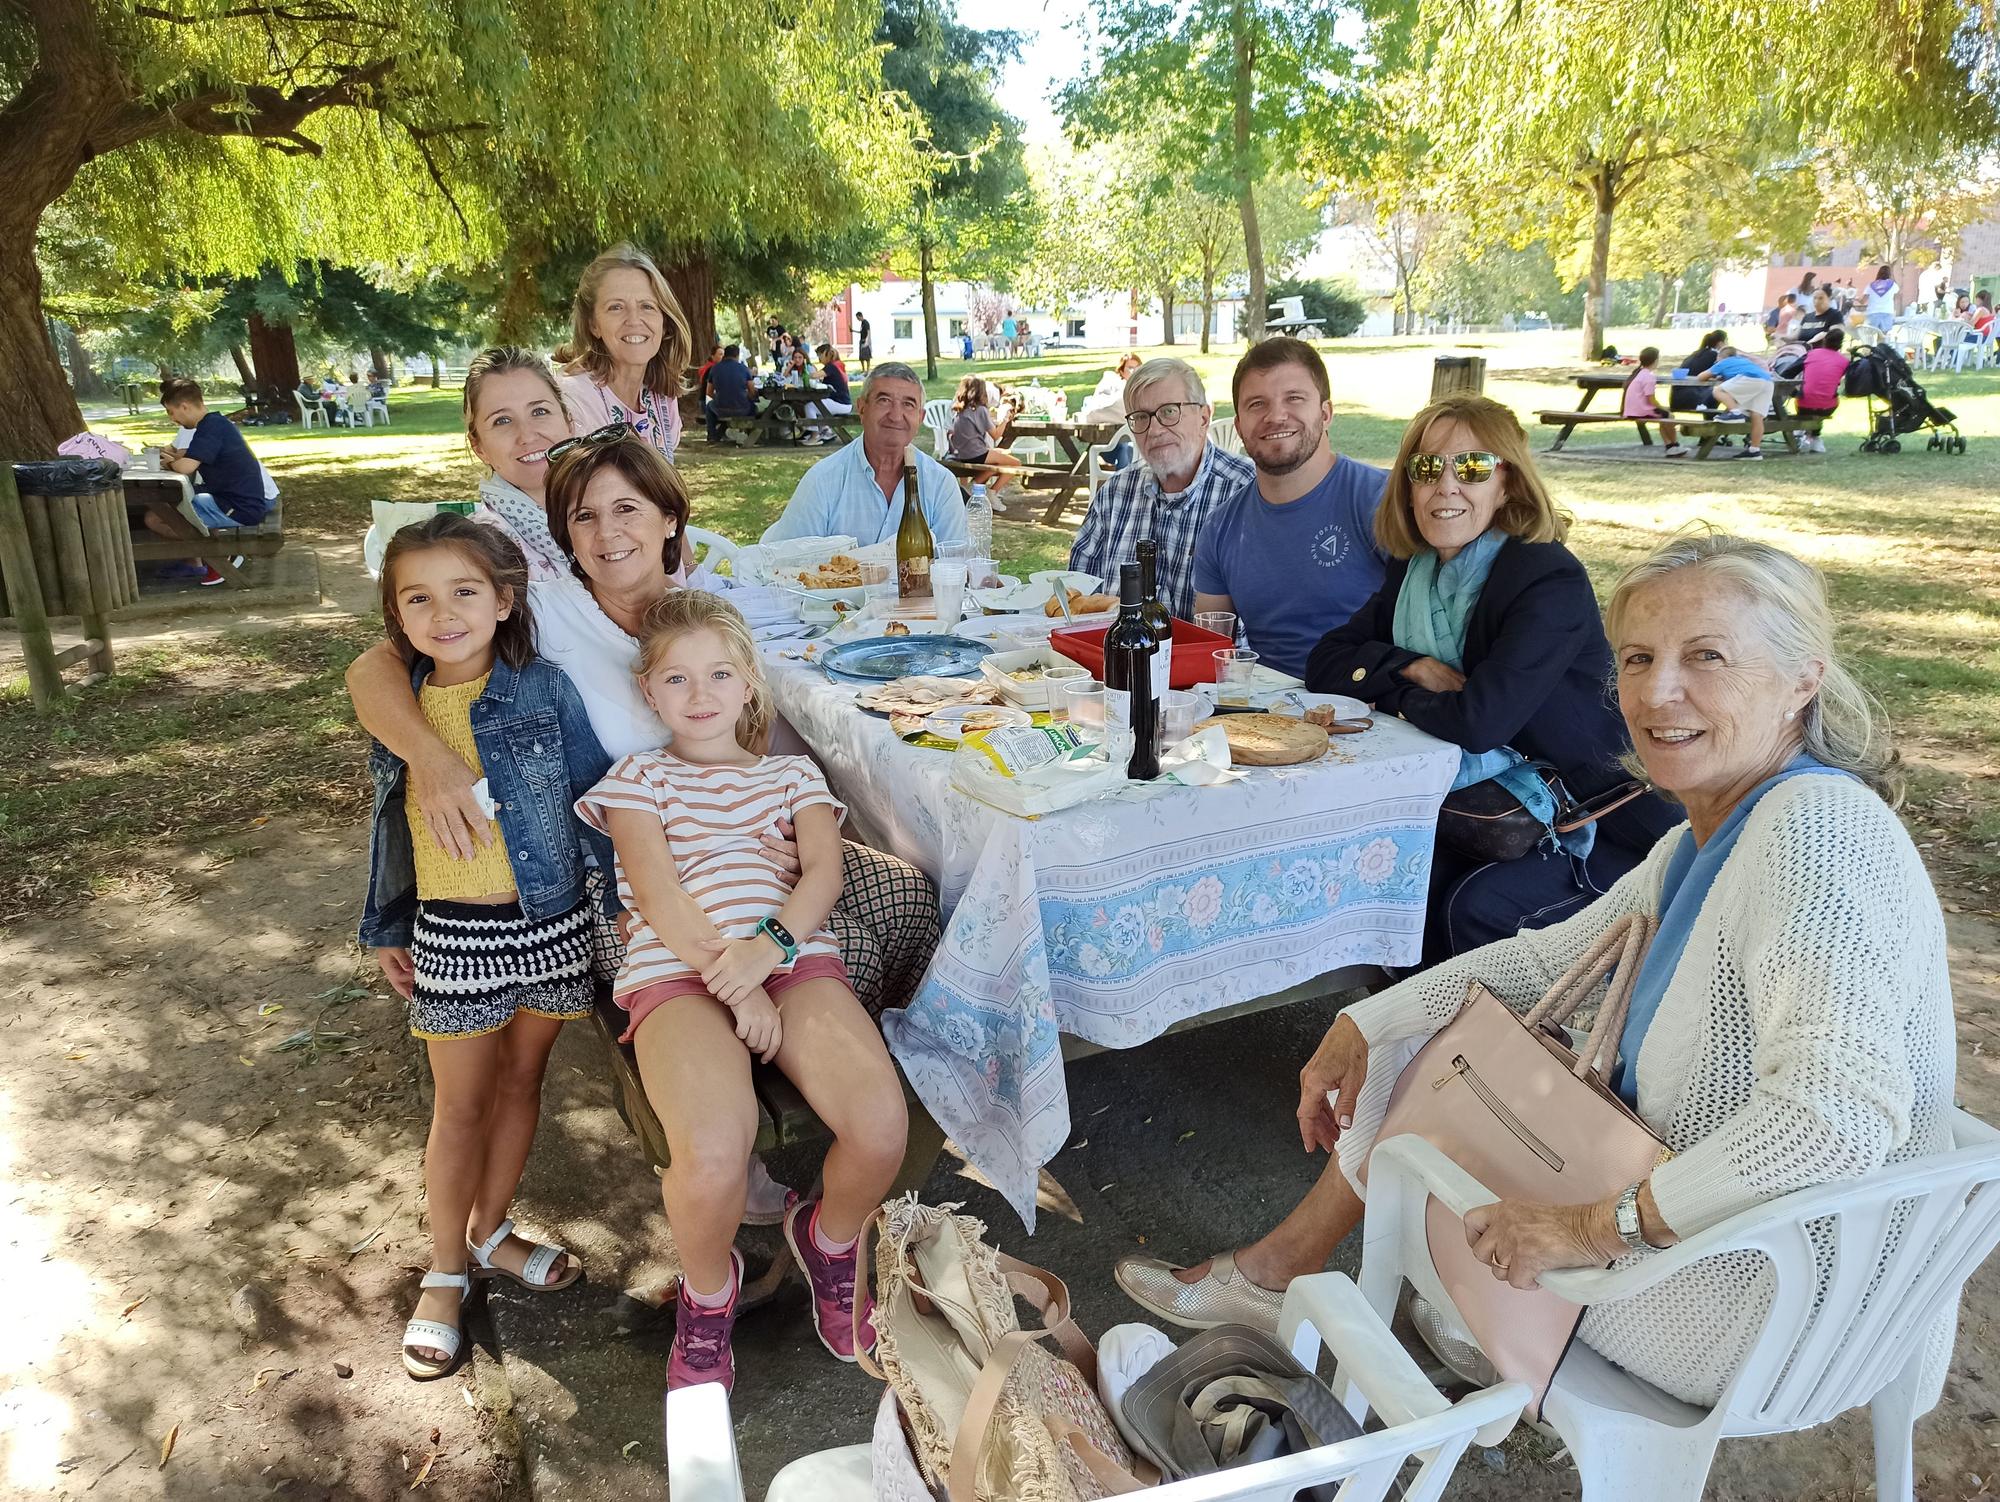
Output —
(212, 516)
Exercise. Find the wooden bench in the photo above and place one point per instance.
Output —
(218, 548)
(1569, 419)
(1056, 480)
(1707, 430)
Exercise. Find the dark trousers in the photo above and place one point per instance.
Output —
(1474, 903)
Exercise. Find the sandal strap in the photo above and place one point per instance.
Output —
(484, 1252)
(540, 1260)
(461, 1281)
(431, 1335)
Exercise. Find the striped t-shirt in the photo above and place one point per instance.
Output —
(714, 818)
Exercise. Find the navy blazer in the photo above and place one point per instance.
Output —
(1537, 678)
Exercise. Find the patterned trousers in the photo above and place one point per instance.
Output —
(886, 923)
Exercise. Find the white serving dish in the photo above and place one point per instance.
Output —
(1021, 596)
(1034, 694)
(1006, 633)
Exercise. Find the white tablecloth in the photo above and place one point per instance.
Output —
(1119, 917)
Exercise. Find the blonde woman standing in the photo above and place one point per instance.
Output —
(631, 347)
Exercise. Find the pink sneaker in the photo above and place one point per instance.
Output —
(832, 1280)
(701, 1336)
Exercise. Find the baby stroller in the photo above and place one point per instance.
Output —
(1897, 404)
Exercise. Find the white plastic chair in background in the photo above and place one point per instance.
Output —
(1094, 463)
(1222, 432)
(378, 404)
(359, 413)
(714, 547)
(937, 417)
(1325, 1308)
(310, 411)
(1894, 1275)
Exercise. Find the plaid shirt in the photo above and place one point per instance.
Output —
(1130, 506)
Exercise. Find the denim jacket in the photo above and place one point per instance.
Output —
(540, 756)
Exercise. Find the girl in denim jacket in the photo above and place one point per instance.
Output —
(492, 953)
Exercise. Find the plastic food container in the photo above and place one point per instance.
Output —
(1194, 651)
(1035, 693)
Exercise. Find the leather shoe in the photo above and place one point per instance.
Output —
(1224, 1296)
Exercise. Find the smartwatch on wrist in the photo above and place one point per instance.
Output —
(780, 936)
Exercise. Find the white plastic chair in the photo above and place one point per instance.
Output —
(357, 407)
(1094, 463)
(937, 417)
(378, 404)
(1379, 1374)
(715, 548)
(1222, 433)
(1632, 1441)
(310, 412)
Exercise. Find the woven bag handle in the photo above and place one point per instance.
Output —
(1628, 936)
(1600, 1052)
(969, 1443)
(864, 1356)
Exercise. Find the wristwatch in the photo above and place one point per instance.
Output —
(1626, 1219)
(780, 936)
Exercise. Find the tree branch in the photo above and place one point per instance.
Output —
(265, 12)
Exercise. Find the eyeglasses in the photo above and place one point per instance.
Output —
(604, 435)
(1168, 416)
(1471, 467)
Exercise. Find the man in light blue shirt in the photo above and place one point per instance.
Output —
(858, 490)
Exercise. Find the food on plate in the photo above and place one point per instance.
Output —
(896, 628)
(1082, 604)
(838, 572)
(981, 719)
(922, 695)
(1320, 715)
(1029, 674)
(842, 607)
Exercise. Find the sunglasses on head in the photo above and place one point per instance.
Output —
(604, 435)
(1470, 468)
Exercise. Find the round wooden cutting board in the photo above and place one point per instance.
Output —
(1269, 740)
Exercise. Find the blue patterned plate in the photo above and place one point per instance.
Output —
(880, 658)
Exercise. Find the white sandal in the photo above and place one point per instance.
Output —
(540, 1259)
(435, 1335)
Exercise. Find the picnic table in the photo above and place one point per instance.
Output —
(1117, 919)
(782, 416)
(1590, 382)
(1062, 477)
(167, 496)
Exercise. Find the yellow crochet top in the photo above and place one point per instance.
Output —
(439, 876)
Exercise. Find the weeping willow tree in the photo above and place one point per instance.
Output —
(211, 137)
(1574, 112)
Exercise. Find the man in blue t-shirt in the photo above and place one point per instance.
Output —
(230, 490)
(1294, 555)
(727, 391)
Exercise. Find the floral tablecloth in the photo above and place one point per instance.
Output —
(1119, 917)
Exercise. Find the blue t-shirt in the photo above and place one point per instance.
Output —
(731, 380)
(1731, 366)
(229, 470)
(1295, 572)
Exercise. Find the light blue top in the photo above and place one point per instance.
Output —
(838, 497)
(1731, 366)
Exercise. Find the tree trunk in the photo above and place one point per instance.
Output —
(1167, 314)
(746, 321)
(437, 369)
(930, 312)
(378, 361)
(1665, 299)
(1207, 307)
(1409, 308)
(693, 284)
(274, 354)
(1600, 262)
(242, 363)
(1246, 187)
(43, 411)
(83, 376)
(520, 312)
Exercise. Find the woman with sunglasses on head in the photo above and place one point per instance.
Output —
(1485, 633)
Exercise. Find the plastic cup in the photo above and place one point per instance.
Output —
(1083, 707)
(878, 587)
(954, 550)
(1221, 622)
(1179, 712)
(948, 590)
(982, 573)
(1235, 667)
(1058, 679)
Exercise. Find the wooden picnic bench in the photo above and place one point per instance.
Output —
(169, 498)
(1590, 382)
(1066, 476)
(783, 417)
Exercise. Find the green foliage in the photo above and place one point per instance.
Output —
(1337, 306)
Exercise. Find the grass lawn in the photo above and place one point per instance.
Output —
(191, 741)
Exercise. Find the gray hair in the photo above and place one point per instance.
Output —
(1163, 368)
(1844, 726)
(890, 370)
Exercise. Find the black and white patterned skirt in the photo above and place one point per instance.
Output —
(477, 965)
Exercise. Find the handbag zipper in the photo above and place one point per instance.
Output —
(1462, 1069)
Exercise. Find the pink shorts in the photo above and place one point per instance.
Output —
(640, 1004)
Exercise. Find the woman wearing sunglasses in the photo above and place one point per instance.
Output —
(1485, 633)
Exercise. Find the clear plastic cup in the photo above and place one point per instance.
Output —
(1221, 622)
(954, 550)
(948, 590)
(1083, 707)
(1180, 711)
(1235, 667)
(878, 587)
(982, 573)
(1058, 679)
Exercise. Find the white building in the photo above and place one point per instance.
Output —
(894, 308)
(1348, 251)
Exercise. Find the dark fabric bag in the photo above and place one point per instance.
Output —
(1485, 822)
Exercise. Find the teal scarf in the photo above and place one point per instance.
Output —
(1433, 609)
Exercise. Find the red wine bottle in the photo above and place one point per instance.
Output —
(1156, 617)
(1129, 650)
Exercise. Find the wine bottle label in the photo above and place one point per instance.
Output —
(913, 579)
(1163, 670)
(1118, 725)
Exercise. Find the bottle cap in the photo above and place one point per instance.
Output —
(1128, 584)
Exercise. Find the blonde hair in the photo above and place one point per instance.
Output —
(1527, 510)
(663, 371)
(1844, 726)
(681, 612)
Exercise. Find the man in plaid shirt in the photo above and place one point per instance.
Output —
(1183, 478)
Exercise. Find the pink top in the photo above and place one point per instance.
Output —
(1819, 386)
(592, 406)
(1639, 391)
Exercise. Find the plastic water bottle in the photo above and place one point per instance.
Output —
(979, 523)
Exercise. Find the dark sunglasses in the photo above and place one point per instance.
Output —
(1167, 415)
(1470, 468)
(602, 436)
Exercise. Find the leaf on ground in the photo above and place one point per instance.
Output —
(1183, 1136)
(424, 1471)
(263, 1376)
(246, 1061)
(77, 1056)
(260, 821)
(628, 1447)
(167, 1446)
(127, 1313)
(365, 1242)
(269, 1007)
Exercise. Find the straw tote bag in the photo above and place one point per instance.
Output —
(1507, 1099)
(990, 1413)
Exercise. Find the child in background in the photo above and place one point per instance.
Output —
(1819, 386)
(713, 976)
(1642, 401)
(492, 953)
(1745, 387)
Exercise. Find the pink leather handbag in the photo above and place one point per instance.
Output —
(1507, 1099)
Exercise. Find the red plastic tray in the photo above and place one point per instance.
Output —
(1194, 651)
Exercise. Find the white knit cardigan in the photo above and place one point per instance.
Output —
(1805, 1037)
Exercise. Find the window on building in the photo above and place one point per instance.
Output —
(906, 328)
(957, 327)
(1073, 328)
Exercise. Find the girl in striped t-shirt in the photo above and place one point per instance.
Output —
(728, 957)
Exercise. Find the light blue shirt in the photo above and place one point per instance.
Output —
(838, 497)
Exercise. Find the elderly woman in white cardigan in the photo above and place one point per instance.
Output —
(1792, 1025)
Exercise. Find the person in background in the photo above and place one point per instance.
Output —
(378, 386)
(1743, 384)
(857, 491)
(833, 376)
(701, 376)
(1825, 314)
(1009, 327)
(1698, 398)
(1783, 317)
(974, 426)
(774, 334)
(1819, 386)
(631, 347)
(864, 342)
(1882, 301)
(229, 492)
(1107, 404)
(1803, 296)
(1642, 401)
(965, 344)
(1171, 496)
(728, 392)
(1294, 554)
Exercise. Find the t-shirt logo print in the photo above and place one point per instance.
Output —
(1331, 546)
